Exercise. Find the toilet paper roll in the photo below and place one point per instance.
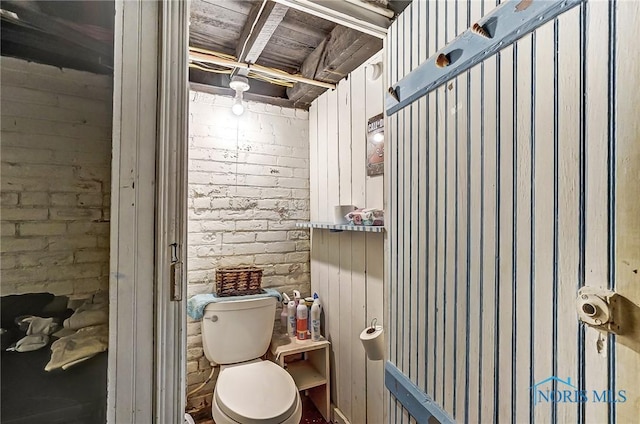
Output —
(372, 339)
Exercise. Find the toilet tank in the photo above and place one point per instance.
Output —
(238, 330)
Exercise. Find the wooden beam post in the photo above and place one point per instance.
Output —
(341, 52)
(344, 13)
(254, 38)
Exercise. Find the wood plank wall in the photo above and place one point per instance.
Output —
(347, 268)
(510, 190)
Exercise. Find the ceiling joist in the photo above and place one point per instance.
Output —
(340, 53)
(221, 91)
(198, 56)
(344, 13)
(262, 22)
(31, 17)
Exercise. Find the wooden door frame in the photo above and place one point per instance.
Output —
(147, 338)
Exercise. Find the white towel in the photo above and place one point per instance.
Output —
(39, 325)
(87, 314)
(73, 349)
(85, 318)
(37, 334)
(29, 343)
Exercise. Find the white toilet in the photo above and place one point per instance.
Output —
(235, 334)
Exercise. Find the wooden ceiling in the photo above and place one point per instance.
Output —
(70, 34)
(319, 40)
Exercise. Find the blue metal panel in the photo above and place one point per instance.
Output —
(506, 24)
(415, 401)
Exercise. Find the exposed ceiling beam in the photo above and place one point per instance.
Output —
(343, 13)
(374, 8)
(341, 52)
(258, 87)
(30, 44)
(260, 26)
(27, 15)
(196, 56)
(221, 91)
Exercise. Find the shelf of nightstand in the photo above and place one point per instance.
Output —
(305, 375)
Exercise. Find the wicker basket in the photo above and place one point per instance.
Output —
(238, 281)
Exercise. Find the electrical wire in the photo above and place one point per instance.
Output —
(252, 75)
(255, 71)
(207, 69)
(253, 26)
(212, 53)
(270, 80)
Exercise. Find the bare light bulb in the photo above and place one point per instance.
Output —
(237, 108)
(240, 85)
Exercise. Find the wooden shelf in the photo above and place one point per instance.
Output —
(286, 345)
(305, 375)
(341, 227)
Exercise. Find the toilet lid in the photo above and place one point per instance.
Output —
(257, 392)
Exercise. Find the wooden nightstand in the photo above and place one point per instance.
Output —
(310, 373)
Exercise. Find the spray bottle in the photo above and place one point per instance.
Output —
(284, 315)
(308, 301)
(296, 297)
(315, 318)
(302, 315)
(291, 314)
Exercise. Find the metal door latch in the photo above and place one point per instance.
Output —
(176, 273)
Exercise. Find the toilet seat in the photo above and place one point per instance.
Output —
(256, 393)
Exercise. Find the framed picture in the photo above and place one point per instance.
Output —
(375, 145)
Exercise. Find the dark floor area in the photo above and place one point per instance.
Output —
(32, 395)
(310, 413)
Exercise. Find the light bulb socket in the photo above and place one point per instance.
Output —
(239, 84)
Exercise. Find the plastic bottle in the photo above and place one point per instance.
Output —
(302, 316)
(315, 318)
(296, 297)
(309, 301)
(291, 313)
(284, 315)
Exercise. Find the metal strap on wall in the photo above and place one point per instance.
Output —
(507, 23)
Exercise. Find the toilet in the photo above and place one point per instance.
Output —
(235, 334)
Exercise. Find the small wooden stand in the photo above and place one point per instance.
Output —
(311, 373)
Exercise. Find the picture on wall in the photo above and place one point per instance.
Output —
(375, 145)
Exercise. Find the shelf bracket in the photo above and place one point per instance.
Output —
(500, 28)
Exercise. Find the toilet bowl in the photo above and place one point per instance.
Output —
(258, 392)
(235, 334)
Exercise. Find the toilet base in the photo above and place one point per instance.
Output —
(221, 418)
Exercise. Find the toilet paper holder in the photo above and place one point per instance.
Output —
(372, 327)
(596, 307)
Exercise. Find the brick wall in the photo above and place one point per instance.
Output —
(55, 171)
(248, 186)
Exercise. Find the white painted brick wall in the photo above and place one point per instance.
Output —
(248, 186)
(55, 169)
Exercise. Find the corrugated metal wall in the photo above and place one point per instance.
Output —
(505, 199)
